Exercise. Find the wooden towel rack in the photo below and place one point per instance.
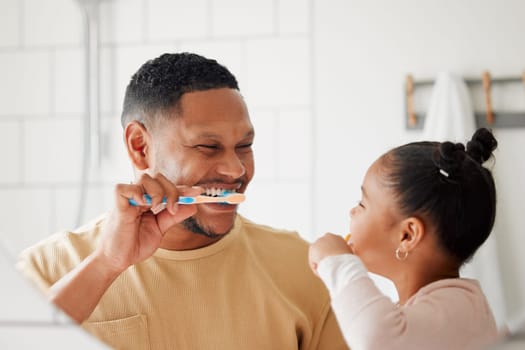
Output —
(489, 118)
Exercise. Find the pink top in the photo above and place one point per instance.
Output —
(447, 314)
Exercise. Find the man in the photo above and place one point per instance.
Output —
(163, 275)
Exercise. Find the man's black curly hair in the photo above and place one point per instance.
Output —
(160, 83)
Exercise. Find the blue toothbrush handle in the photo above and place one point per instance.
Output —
(147, 197)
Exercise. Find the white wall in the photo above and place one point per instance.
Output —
(323, 81)
(362, 52)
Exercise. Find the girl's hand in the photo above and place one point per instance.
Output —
(327, 245)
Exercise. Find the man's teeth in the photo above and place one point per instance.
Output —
(215, 192)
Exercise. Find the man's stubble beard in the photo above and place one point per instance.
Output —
(191, 224)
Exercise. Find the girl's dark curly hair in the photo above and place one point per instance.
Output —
(446, 185)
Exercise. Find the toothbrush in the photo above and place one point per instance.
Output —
(227, 198)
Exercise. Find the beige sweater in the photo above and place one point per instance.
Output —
(253, 289)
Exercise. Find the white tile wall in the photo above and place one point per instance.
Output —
(278, 72)
(294, 16)
(69, 81)
(25, 83)
(99, 199)
(122, 21)
(9, 23)
(26, 215)
(11, 162)
(52, 22)
(265, 147)
(242, 17)
(53, 151)
(294, 141)
(108, 102)
(177, 19)
(280, 204)
(114, 165)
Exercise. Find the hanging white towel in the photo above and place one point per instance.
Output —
(450, 117)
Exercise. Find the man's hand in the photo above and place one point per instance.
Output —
(133, 233)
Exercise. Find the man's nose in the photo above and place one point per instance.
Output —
(231, 165)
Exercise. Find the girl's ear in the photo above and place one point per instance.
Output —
(412, 232)
(137, 141)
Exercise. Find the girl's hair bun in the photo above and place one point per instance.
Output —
(451, 156)
(481, 145)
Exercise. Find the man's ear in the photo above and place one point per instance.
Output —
(137, 141)
(412, 232)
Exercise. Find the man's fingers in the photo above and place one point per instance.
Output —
(125, 192)
(154, 188)
(169, 196)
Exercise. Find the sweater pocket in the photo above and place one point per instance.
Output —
(125, 333)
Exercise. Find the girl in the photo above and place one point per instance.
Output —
(426, 207)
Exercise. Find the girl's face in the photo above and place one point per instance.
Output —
(375, 223)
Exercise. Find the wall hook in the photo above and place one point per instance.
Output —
(488, 103)
(412, 120)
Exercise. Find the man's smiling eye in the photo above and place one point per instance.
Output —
(247, 145)
(208, 146)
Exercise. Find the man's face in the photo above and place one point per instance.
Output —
(209, 144)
